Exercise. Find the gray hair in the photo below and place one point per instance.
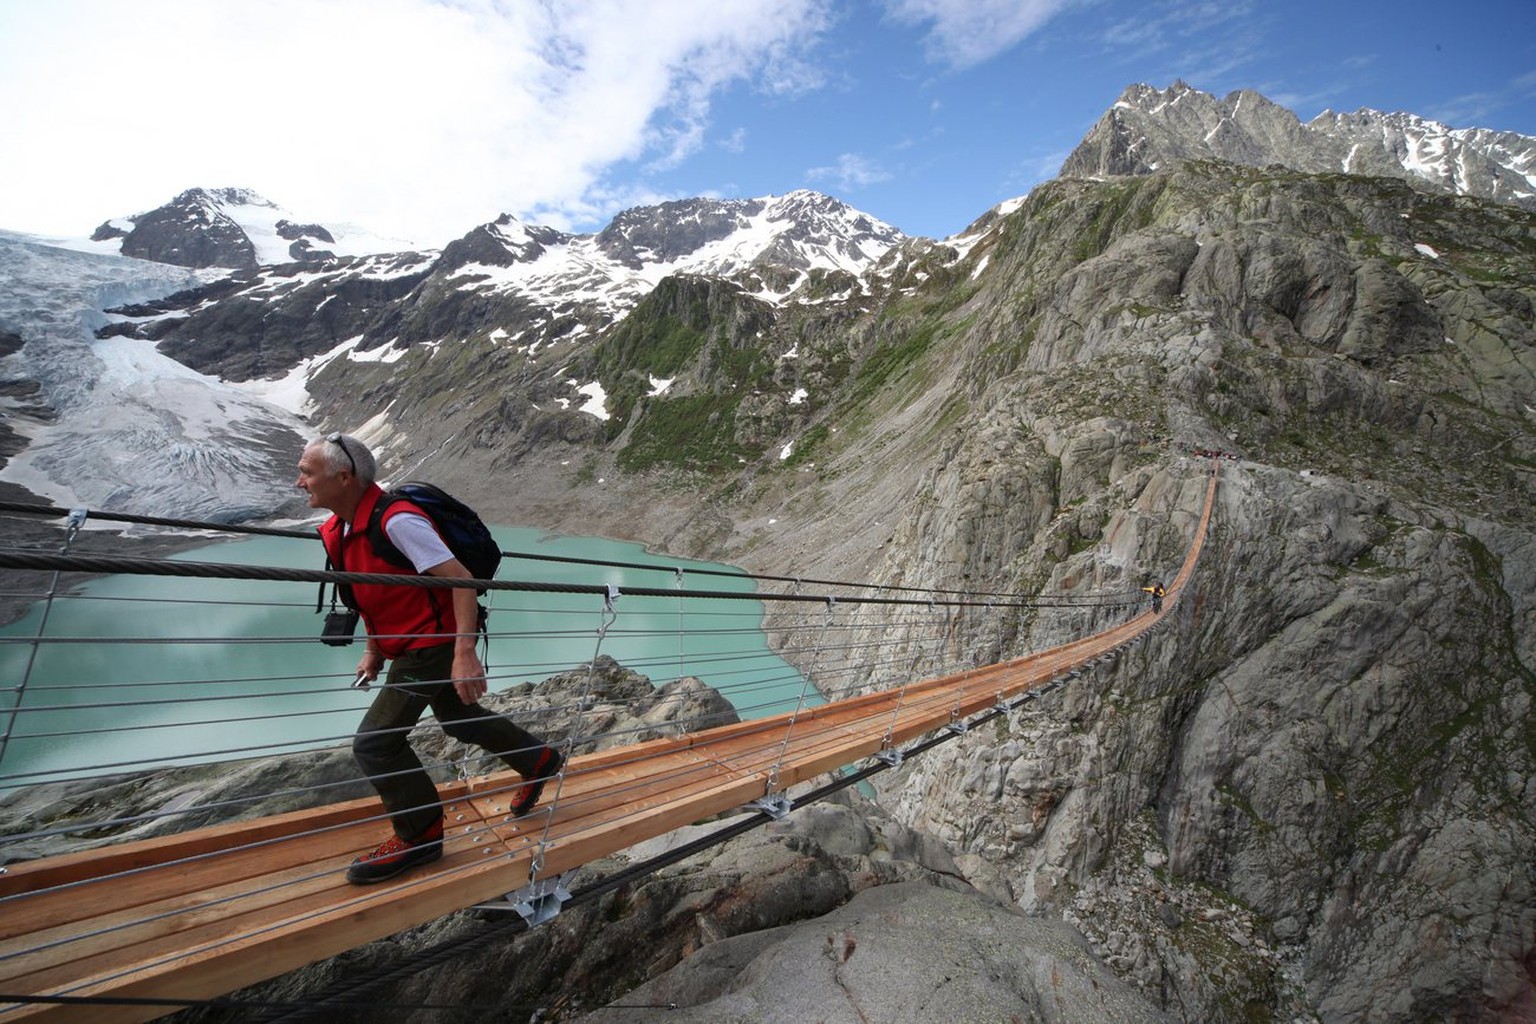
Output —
(343, 451)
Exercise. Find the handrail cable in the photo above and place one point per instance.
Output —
(247, 751)
(13, 559)
(318, 741)
(311, 534)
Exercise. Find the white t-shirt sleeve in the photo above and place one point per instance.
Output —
(417, 540)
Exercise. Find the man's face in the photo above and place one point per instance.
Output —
(325, 488)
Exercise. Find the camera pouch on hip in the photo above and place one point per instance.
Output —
(340, 623)
(338, 629)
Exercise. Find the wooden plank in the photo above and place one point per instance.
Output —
(29, 876)
(203, 912)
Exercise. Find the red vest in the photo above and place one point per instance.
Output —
(398, 618)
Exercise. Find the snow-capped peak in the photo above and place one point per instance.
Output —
(228, 227)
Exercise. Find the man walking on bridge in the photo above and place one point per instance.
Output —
(428, 635)
(1158, 593)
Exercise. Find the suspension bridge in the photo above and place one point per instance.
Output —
(131, 931)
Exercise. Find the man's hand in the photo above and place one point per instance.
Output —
(469, 676)
(370, 664)
(468, 672)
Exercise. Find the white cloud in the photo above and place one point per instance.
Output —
(414, 117)
(735, 142)
(969, 32)
(849, 173)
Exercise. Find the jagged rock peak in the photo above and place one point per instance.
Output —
(196, 229)
(235, 228)
(501, 243)
(1147, 129)
(672, 232)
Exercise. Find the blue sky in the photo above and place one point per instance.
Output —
(422, 118)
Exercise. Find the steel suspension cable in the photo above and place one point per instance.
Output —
(310, 534)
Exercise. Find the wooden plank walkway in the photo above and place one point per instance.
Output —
(201, 914)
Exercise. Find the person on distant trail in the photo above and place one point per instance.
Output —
(428, 636)
(1158, 593)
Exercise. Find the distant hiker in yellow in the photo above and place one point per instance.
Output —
(1157, 592)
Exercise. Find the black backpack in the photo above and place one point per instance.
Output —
(462, 530)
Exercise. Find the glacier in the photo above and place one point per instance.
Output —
(111, 424)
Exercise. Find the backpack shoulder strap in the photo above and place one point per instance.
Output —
(379, 537)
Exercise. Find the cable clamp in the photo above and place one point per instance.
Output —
(536, 902)
(775, 805)
(890, 756)
(958, 727)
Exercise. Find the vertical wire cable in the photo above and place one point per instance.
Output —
(606, 618)
(967, 665)
(72, 526)
(901, 695)
(772, 783)
(677, 578)
(482, 623)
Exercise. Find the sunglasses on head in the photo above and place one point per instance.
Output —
(336, 440)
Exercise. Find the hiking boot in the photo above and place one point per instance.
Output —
(528, 791)
(395, 855)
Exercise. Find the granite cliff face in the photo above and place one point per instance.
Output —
(1338, 729)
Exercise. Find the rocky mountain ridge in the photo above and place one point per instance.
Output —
(1147, 129)
(523, 288)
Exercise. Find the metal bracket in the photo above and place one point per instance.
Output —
(775, 805)
(958, 727)
(890, 756)
(537, 902)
